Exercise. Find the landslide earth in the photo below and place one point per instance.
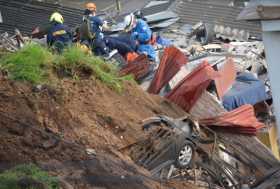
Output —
(55, 127)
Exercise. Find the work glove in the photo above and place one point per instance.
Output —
(134, 35)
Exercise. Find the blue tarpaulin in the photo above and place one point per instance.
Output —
(246, 90)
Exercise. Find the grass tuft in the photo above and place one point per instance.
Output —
(28, 64)
(75, 63)
(35, 64)
(9, 179)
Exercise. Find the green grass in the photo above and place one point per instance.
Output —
(74, 62)
(9, 179)
(28, 64)
(35, 64)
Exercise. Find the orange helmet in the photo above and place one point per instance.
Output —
(91, 6)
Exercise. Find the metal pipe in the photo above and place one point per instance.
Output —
(118, 2)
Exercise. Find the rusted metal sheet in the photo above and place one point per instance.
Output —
(188, 91)
(241, 120)
(138, 68)
(171, 62)
(227, 75)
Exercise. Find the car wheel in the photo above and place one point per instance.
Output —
(185, 155)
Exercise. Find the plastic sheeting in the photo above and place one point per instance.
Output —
(241, 120)
(246, 90)
(186, 93)
(171, 62)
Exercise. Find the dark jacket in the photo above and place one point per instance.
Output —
(59, 33)
(91, 28)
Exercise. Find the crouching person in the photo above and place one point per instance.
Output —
(91, 32)
(59, 35)
(141, 33)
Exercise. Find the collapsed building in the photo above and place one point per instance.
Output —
(212, 67)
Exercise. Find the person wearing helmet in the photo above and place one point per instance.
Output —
(139, 15)
(141, 33)
(59, 35)
(91, 31)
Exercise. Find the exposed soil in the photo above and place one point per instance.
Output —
(54, 126)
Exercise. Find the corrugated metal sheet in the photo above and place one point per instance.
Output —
(25, 15)
(171, 62)
(222, 12)
(241, 120)
(156, 8)
(186, 93)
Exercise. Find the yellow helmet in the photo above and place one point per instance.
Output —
(57, 17)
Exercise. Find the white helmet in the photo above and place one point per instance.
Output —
(129, 22)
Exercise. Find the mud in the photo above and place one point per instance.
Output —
(54, 126)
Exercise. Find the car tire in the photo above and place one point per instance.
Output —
(185, 155)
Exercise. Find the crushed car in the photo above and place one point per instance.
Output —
(183, 149)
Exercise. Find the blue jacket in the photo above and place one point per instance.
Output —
(141, 32)
(148, 50)
(59, 32)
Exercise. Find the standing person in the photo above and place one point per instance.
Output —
(59, 35)
(91, 31)
(141, 33)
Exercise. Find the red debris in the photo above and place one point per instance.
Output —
(138, 68)
(171, 62)
(226, 79)
(187, 92)
(241, 120)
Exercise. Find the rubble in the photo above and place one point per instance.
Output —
(213, 72)
(11, 43)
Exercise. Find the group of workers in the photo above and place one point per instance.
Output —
(136, 38)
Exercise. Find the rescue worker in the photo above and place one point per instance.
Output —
(59, 35)
(141, 33)
(91, 31)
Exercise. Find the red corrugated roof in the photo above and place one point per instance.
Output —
(138, 68)
(241, 120)
(187, 92)
(227, 78)
(171, 62)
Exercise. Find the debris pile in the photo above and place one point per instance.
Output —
(210, 97)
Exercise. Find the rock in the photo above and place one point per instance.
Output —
(91, 151)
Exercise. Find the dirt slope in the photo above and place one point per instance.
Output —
(54, 127)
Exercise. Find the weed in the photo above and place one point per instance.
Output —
(35, 64)
(9, 179)
(28, 64)
(75, 63)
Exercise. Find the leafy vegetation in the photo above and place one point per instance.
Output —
(10, 179)
(35, 64)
